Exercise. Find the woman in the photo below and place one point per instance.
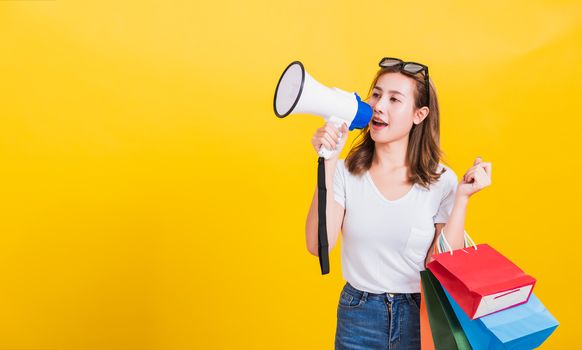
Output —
(391, 199)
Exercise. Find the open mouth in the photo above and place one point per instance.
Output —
(378, 124)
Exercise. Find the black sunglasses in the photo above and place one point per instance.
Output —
(409, 67)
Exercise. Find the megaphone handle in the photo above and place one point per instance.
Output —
(323, 151)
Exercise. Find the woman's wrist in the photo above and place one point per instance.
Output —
(461, 199)
(330, 163)
(332, 159)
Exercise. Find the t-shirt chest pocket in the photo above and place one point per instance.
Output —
(419, 240)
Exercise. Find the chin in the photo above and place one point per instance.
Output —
(379, 136)
(380, 139)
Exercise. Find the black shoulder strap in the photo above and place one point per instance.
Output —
(322, 244)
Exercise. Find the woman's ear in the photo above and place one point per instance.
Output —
(420, 114)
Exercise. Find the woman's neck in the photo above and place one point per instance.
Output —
(391, 155)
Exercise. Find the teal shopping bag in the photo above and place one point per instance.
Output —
(525, 326)
(446, 330)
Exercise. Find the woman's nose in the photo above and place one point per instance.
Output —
(379, 107)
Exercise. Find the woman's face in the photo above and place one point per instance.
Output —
(392, 101)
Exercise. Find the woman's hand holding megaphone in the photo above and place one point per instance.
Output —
(330, 137)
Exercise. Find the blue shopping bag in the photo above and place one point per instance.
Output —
(525, 326)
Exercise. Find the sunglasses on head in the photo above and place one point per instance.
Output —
(409, 67)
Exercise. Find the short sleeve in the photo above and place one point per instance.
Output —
(339, 183)
(449, 189)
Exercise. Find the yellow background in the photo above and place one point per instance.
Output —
(150, 199)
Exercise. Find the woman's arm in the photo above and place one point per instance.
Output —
(455, 228)
(474, 180)
(327, 136)
(334, 213)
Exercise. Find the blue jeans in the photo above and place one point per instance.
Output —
(377, 321)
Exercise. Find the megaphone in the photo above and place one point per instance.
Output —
(297, 92)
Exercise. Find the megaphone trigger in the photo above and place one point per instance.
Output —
(337, 122)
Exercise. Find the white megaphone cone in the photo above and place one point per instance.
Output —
(297, 92)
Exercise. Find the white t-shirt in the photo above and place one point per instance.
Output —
(384, 243)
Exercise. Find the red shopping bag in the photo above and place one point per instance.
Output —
(481, 280)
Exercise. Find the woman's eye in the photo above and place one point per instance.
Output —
(375, 94)
(393, 99)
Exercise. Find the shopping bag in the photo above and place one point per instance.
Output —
(525, 326)
(426, 342)
(446, 330)
(480, 279)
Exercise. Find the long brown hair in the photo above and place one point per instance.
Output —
(423, 152)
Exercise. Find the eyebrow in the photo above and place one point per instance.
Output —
(392, 91)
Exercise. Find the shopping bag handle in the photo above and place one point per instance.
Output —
(444, 244)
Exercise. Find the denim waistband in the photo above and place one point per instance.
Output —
(382, 296)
